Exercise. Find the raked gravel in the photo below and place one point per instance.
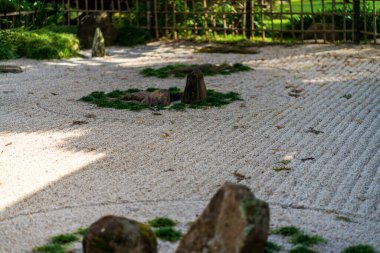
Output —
(56, 176)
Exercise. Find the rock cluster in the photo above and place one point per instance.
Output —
(98, 45)
(233, 222)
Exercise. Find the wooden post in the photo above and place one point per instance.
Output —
(86, 5)
(356, 14)
(148, 15)
(205, 26)
(174, 21)
(248, 22)
(68, 12)
(156, 19)
(166, 19)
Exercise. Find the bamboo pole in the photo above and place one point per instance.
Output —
(333, 20)
(302, 23)
(213, 21)
(271, 18)
(77, 10)
(291, 18)
(314, 24)
(166, 19)
(174, 22)
(224, 19)
(205, 26)
(86, 6)
(324, 22)
(374, 22)
(156, 19)
(129, 12)
(68, 12)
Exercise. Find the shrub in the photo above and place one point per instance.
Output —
(40, 44)
(130, 35)
(6, 51)
(7, 6)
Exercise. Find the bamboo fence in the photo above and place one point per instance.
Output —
(264, 20)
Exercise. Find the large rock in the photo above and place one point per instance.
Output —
(195, 89)
(119, 235)
(157, 98)
(98, 46)
(233, 222)
(88, 25)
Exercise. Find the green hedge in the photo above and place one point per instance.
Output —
(37, 44)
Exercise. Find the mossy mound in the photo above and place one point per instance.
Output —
(227, 49)
(115, 99)
(181, 70)
(37, 44)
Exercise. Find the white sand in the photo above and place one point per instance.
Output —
(56, 177)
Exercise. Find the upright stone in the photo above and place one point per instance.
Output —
(119, 235)
(233, 222)
(98, 45)
(88, 25)
(195, 89)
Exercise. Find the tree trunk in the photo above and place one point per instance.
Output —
(195, 90)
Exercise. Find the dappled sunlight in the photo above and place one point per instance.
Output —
(30, 162)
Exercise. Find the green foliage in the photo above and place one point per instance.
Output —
(114, 99)
(361, 248)
(162, 222)
(286, 231)
(280, 168)
(343, 218)
(64, 239)
(151, 89)
(50, 248)
(128, 35)
(7, 6)
(6, 51)
(40, 44)
(168, 234)
(181, 70)
(81, 231)
(271, 247)
(302, 249)
(347, 96)
(306, 240)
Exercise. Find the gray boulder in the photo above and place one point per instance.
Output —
(233, 222)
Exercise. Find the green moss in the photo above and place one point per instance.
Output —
(181, 70)
(343, 218)
(285, 162)
(302, 249)
(286, 231)
(361, 248)
(280, 168)
(306, 240)
(40, 44)
(147, 234)
(81, 231)
(151, 89)
(162, 222)
(347, 96)
(64, 239)
(168, 234)
(50, 248)
(114, 99)
(271, 247)
(227, 49)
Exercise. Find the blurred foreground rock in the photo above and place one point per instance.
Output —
(119, 235)
(233, 222)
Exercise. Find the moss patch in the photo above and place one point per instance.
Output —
(181, 70)
(61, 243)
(271, 247)
(162, 222)
(227, 49)
(285, 162)
(302, 249)
(306, 240)
(280, 168)
(38, 44)
(114, 99)
(361, 248)
(347, 96)
(343, 218)
(286, 231)
(50, 248)
(168, 234)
